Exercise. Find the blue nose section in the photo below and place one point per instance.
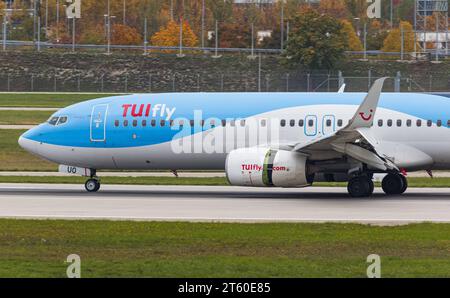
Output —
(30, 139)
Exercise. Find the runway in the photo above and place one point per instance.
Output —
(220, 203)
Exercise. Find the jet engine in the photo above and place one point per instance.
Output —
(265, 167)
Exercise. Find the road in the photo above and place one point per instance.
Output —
(221, 203)
(28, 109)
(16, 126)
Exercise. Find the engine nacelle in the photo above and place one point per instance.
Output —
(266, 167)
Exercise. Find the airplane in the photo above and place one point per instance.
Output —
(259, 139)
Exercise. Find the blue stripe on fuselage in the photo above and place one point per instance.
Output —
(76, 132)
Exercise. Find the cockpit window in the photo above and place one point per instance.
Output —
(53, 120)
(62, 120)
(57, 120)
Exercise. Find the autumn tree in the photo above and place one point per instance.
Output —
(316, 41)
(169, 36)
(233, 35)
(354, 43)
(376, 35)
(357, 8)
(125, 35)
(335, 8)
(393, 41)
(94, 35)
(221, 10)
(59, 33)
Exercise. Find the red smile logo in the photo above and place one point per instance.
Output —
(364, 117)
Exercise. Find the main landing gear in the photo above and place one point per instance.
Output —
(394, 184)
(362, 186)
(92, 184)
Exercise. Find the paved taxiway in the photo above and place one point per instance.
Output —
(206, 203)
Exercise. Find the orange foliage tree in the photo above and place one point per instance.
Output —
(335, 8)
(169, 36)
(393, 41)
(94, 35)
(125, 35)
(354, 43)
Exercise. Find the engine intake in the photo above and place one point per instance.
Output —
(265, 167)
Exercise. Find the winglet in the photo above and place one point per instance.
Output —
(365, 114)
(342, 89)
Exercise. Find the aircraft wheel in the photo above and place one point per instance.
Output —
(394, 184)
(360, 187)
(92, 185)
(405, 184)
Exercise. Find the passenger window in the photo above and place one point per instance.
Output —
(292, 123)
(380, 123)
(340, 122)
(191, 122)
(134, 123)
(233, 123)
(283, 123)
(181, 123)
(448, 123)
(263, 123)
(389, 123)
(438, 123)
(328, 123)
(125, 123)
(419, 123)
(171, 123)
(399, 123)
(212, 123)
(429, 123)
(408, 122)
(144, 123)
(163, 123)
(224, 123)
(153, 123)
(53, 120)
(301, 123)
(116, 123)
(310, 123)
(243, 122)
(202, 123)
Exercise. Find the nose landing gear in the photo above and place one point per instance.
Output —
(92, 185)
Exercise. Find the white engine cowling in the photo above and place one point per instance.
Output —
(267, 167)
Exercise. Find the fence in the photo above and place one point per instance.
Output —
(260, 81)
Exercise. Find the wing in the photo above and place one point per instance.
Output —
(355, 139)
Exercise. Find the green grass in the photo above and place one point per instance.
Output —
(14, 158)
(31, 248)
(51, 100)
(23, 117)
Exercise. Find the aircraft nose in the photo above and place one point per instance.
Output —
(26, 141)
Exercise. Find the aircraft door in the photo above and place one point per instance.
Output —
(311, 125)
(328, 124)
(98, 123)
